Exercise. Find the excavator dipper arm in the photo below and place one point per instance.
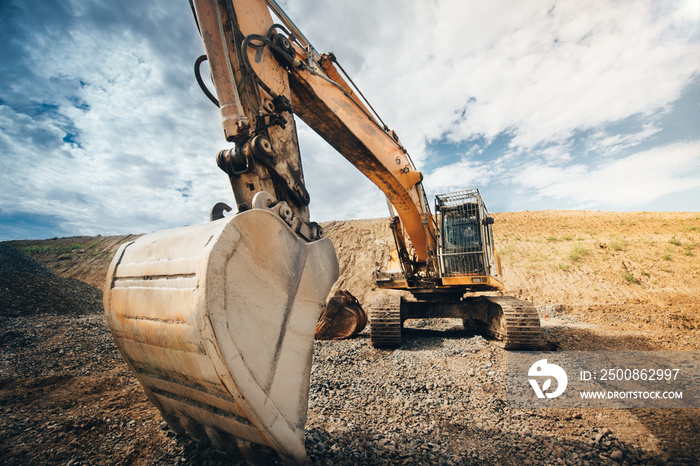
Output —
(254, 105)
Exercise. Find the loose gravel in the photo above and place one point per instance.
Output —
(28, 288)
(66, 397)
(442, 399)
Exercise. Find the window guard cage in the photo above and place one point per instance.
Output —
(461, 247)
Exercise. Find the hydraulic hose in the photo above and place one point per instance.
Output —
(197, 74)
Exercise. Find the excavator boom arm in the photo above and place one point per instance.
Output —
(344, 124)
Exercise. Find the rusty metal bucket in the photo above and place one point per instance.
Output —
(217, 323)
(342, 317)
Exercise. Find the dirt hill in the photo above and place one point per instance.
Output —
(84, 258)
(636, 271)
(27, 288)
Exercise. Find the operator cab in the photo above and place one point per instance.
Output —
(465, 243)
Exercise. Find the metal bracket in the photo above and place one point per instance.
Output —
(310, 231)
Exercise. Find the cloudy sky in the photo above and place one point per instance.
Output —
(551, 104)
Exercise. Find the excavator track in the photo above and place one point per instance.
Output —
(385, 322)
(514, 322)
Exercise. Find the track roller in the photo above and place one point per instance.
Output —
(385, 321)
(512, 321)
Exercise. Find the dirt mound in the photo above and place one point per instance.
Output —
(636, 272)
(357, 243)
(85, 258)
(27, 288)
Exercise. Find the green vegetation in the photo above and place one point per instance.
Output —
(629, 277)
(666, 257)
(578, 253)
(687, 247)
(555, 239)
(619, 245)
(506, 250)
(34, 249)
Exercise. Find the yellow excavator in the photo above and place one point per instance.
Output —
(217, 320)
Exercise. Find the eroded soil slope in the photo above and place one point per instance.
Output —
(637, 273)
(85, 258)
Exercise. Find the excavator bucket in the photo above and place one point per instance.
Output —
(217, 323)
(342, 317)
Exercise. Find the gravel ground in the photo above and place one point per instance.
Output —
(27, 287)
(441, 399)
(66, 397)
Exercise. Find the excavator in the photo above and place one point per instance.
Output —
(217, 320)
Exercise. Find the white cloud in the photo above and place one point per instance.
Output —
(461, 175)
(538, 69)
(338, 190)
(610, 144)
(629, 182)
(142, 132)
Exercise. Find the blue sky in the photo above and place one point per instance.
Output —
(540, 104)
